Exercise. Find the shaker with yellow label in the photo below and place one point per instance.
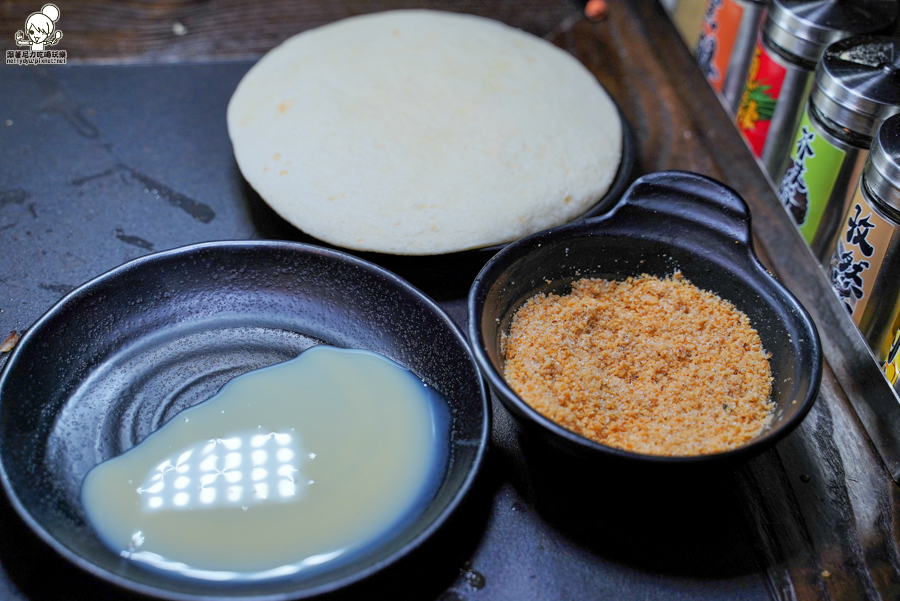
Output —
(865, 262)
(892, 363)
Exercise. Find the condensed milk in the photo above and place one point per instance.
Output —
(293, 467)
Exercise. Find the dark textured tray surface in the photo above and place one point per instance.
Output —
(102, 164)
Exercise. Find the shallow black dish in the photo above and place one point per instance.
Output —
(122, 354)
(665, 222)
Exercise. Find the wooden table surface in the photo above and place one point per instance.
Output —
(821, 508)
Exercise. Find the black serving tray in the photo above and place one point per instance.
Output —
(102, 164)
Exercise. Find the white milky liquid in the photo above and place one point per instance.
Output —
(286, 468)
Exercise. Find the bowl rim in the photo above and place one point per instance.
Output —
(523, 412)
(33, 333)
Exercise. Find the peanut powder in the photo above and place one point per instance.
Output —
(649, 365)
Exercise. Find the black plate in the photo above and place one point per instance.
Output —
(411, 263)
(665, 222)
(457, 269)
(122, 354)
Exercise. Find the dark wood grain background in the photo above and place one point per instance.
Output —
(822, 510)
(130, 31)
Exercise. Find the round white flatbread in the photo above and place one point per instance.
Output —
(422, 132)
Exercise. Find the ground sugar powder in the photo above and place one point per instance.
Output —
(654, 366)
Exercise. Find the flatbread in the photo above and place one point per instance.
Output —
(423, 132)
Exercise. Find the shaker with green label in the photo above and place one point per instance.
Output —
(857, 86)
(865, 262)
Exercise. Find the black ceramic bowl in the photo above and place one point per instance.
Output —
(122, 354)
(665, 222)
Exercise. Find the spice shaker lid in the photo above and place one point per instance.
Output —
(804, 28)
(858, 82)
(882, 173)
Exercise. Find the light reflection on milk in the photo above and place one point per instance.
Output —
(241, 470)
(346, 446)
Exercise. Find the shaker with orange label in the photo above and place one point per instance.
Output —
(865, 262)
(727, 36)
(793, 38)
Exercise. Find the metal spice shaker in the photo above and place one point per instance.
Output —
(857, 87)
(793, 37)
(727, 37)
(866, 260)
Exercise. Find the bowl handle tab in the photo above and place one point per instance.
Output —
(693, 197)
